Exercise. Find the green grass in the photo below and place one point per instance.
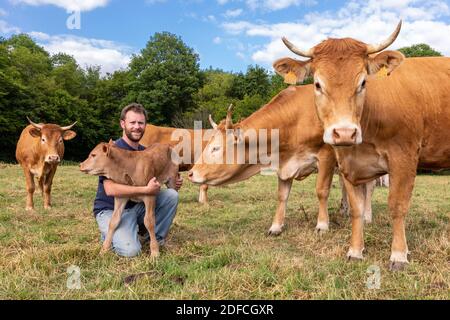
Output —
(220, 251)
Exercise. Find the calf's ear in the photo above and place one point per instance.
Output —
(35, 132)
(293, 71)
(69, 135)
(106, 148)
(387, 59)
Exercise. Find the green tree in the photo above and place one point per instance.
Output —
(419, 50)
(165, 76)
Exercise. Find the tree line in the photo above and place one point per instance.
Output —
(165, 77)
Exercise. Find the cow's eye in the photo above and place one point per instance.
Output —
(43, 139)
(60, 140)
(318, 87)
(93, 155)
(362, 86)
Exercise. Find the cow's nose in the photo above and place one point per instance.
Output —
(344, 136)
(53, 158)
(190, 174)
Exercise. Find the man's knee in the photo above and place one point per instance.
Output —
(172, 196)
(128, 250)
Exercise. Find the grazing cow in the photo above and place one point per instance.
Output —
(39, 151)
(404, 118)
(156, 134)
(301, 151)
(134, 168)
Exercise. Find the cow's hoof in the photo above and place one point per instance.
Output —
(321, 228)
(47, 207)
(355, 255)
(397, 265)
(367, 219)
(275, 230)
(29, 209)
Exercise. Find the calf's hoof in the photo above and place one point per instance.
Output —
(321, 228)
(275, 230)
(29, 209)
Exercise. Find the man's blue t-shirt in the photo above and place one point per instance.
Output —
(102, 200)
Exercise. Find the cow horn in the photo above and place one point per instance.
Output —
(69, 127)
(38, 126)
(386, 43)
(211, 121)
(294, 49)
(229, 121)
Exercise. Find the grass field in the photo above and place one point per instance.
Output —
(220, 251)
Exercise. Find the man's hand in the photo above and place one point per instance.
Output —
(178, 183)
(153, 186)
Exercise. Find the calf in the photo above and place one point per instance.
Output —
(134, 168)
(39, 151)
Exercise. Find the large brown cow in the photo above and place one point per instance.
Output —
(404, 119)
(301, 151)
(39, 151)
(155, 134)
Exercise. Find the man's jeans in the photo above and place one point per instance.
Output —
(125, 240)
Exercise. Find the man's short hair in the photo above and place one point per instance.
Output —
(135, 107)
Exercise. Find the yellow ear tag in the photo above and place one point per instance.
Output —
(383, 72)
(290, 78)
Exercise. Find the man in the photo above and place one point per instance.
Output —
(126, 239)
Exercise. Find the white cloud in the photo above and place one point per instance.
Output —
(222, 2)
(233, 13)
(6, 28)
(107, 54)
(72, 5)
(3, 12)
(370, 22)
(155, 1)
(217, 40)
(273, 5)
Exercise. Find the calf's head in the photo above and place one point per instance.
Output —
(99, 160)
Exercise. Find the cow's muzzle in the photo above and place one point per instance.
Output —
(52, 159)
(343, 135)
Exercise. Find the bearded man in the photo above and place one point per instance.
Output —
(131, 232)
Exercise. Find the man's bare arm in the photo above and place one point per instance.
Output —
(114, 189)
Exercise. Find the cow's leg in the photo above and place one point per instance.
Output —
(356, 197)
(149, 222)
(47, 188)
(203, 194)
(326, 165)
(368, 188)
(29, 180)
(344, 208)
(284, 188)
(119, 205)
(400, 191)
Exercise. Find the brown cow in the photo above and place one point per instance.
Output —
(301, 151)
(39, 151)
(156, 134)
(404, 119)
(134, 168)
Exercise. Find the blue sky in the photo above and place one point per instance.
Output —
(227, 34)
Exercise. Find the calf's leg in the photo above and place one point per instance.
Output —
(203, 194)
(149, 222)
(119, 205)
(30, 186)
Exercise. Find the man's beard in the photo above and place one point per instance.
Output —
(130, 136)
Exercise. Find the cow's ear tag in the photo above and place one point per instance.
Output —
(290, 78)
(383, 72)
